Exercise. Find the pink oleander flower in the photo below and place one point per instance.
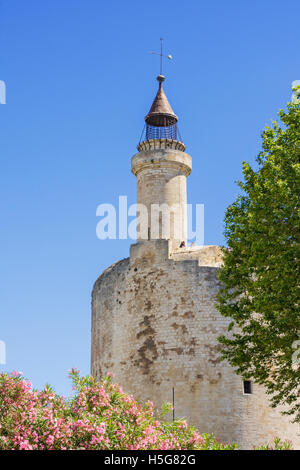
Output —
(99, 416)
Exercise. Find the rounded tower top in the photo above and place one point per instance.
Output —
(161, 123)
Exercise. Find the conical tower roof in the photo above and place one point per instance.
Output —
(161, 114)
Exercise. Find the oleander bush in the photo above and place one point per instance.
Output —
(99, 416)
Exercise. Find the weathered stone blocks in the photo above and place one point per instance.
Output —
(155, 325)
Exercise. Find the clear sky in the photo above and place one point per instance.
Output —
(79, 81)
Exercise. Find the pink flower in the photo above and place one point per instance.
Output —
(99, 416)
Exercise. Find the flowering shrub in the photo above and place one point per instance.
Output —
(278, 444)
(100, 416)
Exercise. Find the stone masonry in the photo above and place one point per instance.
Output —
(156, 327)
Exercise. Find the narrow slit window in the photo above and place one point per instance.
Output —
(247, 387)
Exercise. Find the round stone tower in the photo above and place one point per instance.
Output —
(154, 321)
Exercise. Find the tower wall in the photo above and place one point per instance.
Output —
(161, 173)
(154, 324)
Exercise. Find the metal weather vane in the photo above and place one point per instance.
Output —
(161, 55)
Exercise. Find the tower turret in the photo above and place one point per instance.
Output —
(161, 168)
(161, 121)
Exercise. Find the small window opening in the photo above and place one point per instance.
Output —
(247, 387)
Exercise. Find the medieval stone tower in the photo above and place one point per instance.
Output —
(154, 321)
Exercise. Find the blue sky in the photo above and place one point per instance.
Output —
(79, 81)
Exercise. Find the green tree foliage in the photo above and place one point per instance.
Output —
(261, 270)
